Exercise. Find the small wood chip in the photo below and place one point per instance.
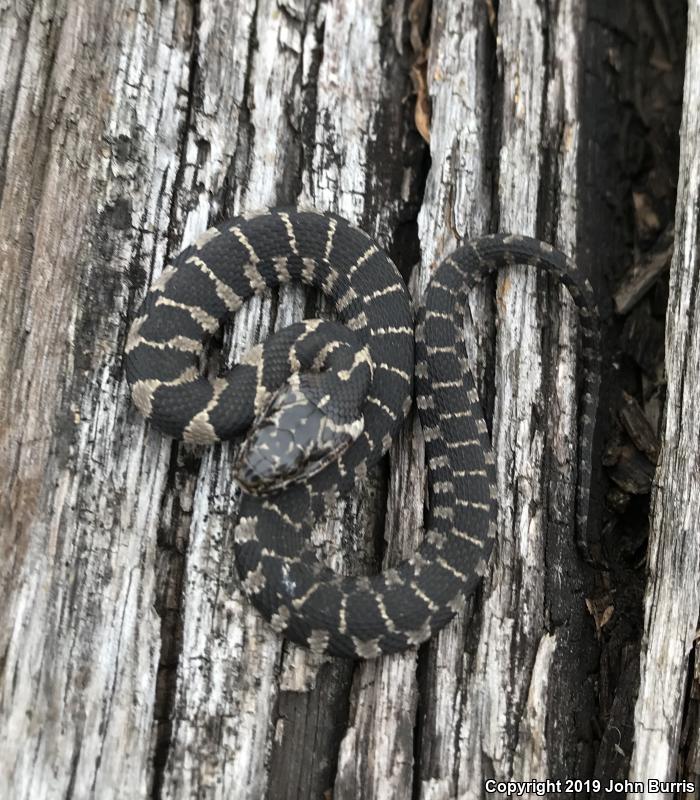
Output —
(601, 609)
(643, 275)
(639, 428)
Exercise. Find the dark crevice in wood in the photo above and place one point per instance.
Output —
(171, 553)
(406, 253)
(549, 189)
(170, 570)
(309, 90)
(422, 670)
(237, 177)
(494, 137)
(178, 196)
(485, 369)
(305, 766)
(409, 154)
(628, 164)
(301, 117)
(413, 151)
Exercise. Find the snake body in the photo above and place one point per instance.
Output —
(325, 401)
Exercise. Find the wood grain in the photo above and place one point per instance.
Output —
(131, 663)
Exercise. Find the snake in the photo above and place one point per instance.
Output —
(318, 403)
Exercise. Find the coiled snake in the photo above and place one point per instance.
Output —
(324, 401)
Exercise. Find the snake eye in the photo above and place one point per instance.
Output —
(294, 438)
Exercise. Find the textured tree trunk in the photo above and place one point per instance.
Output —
(132, 664)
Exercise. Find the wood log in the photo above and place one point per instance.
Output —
(131, 663)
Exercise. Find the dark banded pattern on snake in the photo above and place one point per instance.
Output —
(402, 607)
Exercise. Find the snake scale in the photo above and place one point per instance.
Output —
(319, 402)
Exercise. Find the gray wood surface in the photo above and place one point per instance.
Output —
(131, 664)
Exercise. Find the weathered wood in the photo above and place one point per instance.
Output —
(672, 600)
(132, 665)
(90, 162)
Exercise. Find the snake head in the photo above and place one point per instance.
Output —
(296, 437)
